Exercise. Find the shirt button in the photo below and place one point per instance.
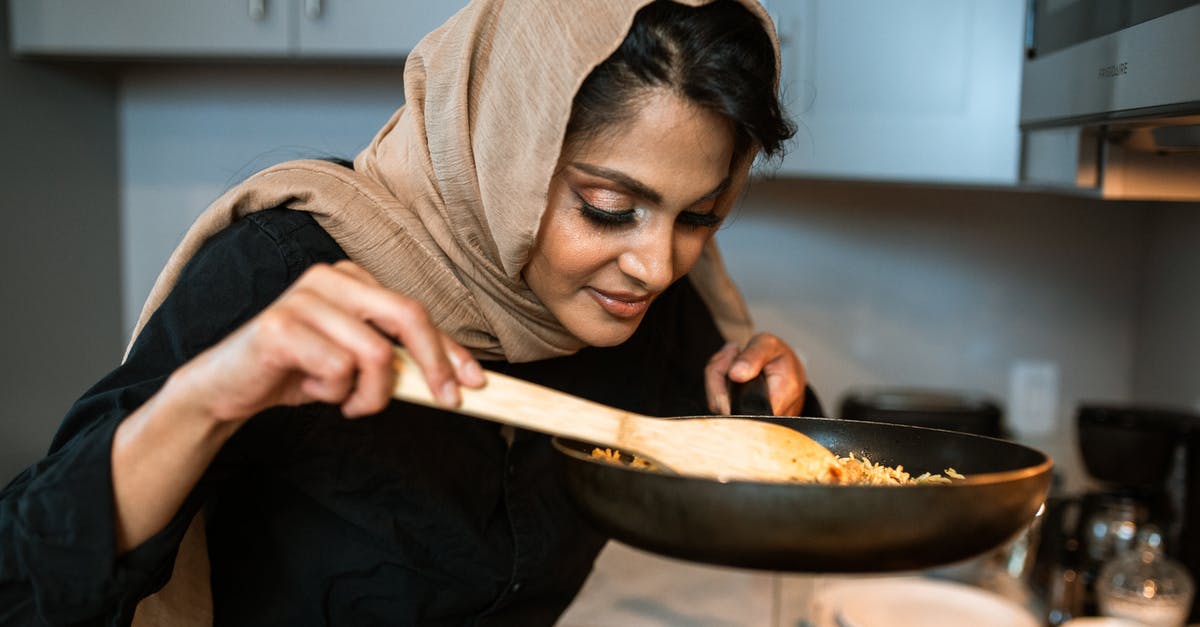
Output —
(516, 587)
(512, 469)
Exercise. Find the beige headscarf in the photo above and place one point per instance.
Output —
(445, 203)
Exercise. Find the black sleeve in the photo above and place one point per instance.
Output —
(690, 338)
(58, 563)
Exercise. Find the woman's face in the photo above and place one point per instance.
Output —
(628, 213)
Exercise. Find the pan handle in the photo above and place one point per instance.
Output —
(750, 398)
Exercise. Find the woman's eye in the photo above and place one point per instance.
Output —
(603, 217)
(609, 218)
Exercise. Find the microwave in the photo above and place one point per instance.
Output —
(1110, 98)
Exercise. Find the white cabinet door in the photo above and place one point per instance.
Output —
(359, 29)
(919, 90)
(368, 28)
(150, 28)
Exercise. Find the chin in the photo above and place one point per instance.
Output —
(606, 333)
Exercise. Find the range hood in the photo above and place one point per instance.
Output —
(1110, 98)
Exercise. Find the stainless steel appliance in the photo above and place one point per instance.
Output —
(1110, 98)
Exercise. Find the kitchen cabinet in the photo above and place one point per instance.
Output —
(367, 28)
(253, 29)
(921, 90)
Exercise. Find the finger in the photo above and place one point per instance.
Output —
(761, 349)
(355, 271)
(372, 352)
(786, 380)
(783, 391)
(327, 369)
(716, 386)
(466, 367)
(324, 390)
(401, 317)
(408, 321)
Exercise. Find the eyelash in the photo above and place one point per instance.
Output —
(605, 219)
(616, 219)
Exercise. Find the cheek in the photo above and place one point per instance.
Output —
(568, 251)
(688, 247)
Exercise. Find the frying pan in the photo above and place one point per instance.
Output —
(822, 528)
(772, 525)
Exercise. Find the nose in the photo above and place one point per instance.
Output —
(650, 258)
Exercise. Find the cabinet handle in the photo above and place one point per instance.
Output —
(257, 9)
(313, 9)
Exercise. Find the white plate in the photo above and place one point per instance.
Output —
(915, 602)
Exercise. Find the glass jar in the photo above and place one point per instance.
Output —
(1145, 585)
(1111, 528)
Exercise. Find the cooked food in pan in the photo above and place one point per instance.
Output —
(862, 471)
(849, 470)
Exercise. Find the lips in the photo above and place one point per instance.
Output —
(623, 305)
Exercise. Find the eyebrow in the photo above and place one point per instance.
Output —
(639, 188)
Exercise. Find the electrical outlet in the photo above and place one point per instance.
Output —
(1033, 397)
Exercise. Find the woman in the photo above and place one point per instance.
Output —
(553, 176)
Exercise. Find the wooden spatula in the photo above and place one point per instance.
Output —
(719, 448)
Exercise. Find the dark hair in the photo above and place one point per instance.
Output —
(717, 56)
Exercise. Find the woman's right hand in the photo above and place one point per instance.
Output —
(326, 339)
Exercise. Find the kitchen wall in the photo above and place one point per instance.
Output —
(60, 320)
(1168, 355)
(188, 134)
(925, 286)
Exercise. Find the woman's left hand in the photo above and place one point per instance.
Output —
(764, 353)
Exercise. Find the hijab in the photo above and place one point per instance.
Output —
(438, 208)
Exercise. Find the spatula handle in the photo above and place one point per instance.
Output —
(519, 403)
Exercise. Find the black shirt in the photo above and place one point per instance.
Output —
(412, 516)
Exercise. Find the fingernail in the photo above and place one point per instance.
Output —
(448, 395)
(740, 370)
(473, 372)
